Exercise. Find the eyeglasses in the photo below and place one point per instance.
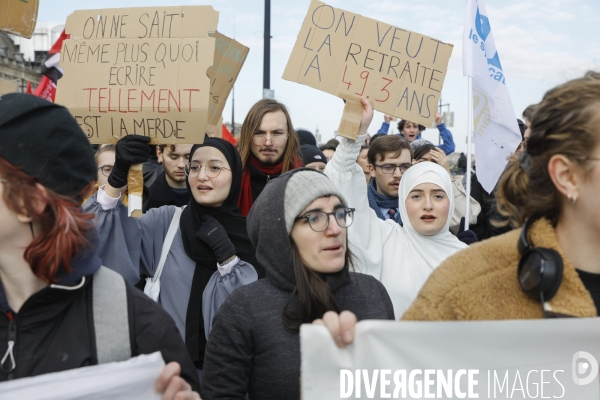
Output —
(391, 168)
(212, 169)
(276, 138)
(106, 170)
(319, 220)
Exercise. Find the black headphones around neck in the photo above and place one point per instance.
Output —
(540, 269)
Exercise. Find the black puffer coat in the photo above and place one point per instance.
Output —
(54, 330)
(249, 349)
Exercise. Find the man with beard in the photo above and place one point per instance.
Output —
(269, 146)
(169, 187)
(389, 157)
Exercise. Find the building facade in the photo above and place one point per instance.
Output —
(21, 59)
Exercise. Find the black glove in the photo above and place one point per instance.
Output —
(214, 235)
(468, 237)
(130, 149)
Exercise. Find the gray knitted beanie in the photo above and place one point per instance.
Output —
(302, 189)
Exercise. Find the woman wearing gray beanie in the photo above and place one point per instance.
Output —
(254, 346)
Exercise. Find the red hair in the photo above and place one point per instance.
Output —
(63, 224)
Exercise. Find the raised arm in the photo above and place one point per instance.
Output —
(448, 142)
(127, 245)
(367, 234)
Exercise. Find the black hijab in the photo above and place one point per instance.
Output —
(234, 223)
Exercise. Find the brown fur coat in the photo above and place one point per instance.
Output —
(480, 283)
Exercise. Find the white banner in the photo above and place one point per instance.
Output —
(495, 125)
(554, 358)
(133, 379)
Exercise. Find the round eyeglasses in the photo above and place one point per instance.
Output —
(106, 170)
(212, 169)
(319, 220)
(391, 168)
(276, 138)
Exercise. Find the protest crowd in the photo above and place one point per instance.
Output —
(239, 245)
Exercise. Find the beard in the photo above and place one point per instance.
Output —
(271, 161)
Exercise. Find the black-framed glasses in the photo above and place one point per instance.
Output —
(212, 169)
(106, 170)
(391, 168)
(319, 220)
(276, 138)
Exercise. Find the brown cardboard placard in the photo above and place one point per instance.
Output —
(228, 62)
(351, 117)
(7, 86)
(135, 189)
(400, 72)
(18, 17)
(139, 71)
(215, 130)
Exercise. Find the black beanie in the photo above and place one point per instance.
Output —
(306, 137)
(311, 154)
(45, 141)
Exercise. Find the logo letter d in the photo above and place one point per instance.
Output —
(591, 362)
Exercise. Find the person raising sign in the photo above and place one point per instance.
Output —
(209, 236)
(549, 268)
(400, 255)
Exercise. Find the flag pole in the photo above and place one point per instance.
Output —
(469, 146)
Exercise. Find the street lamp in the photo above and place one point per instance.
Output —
(267, 92)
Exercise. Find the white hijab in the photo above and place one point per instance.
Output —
(432, 250)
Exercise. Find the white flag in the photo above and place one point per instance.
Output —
(495, 125)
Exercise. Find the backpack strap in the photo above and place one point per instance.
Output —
(173, 227)
(111, 316)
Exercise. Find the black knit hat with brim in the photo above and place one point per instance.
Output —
(45, 141)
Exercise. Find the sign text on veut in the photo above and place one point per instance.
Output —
(139, 71)
(348, 55)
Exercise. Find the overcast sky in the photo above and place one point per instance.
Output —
(541, 43)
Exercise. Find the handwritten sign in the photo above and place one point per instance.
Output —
(19, 17)
(139, 71)
(228, 62)
(348, 55)
(7, 87)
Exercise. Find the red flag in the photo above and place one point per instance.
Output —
(46, 89)
(228, 136)
(51, 70)
(29, 91)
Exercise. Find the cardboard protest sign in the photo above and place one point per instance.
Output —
(7, 87)
(229, 59)
(400, 72)
(215, 130)
(526, 359)
(139, 71)
(18, 17)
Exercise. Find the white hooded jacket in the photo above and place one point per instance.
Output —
(398, 256)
